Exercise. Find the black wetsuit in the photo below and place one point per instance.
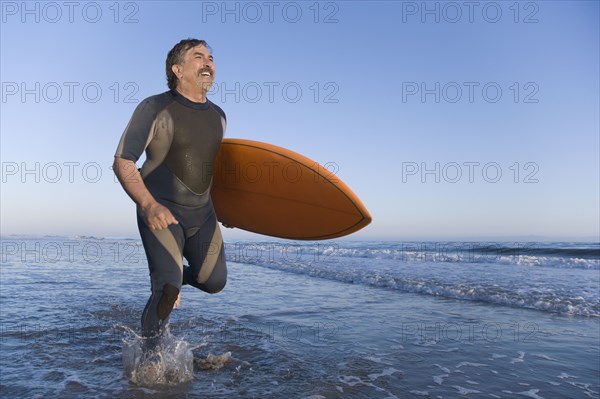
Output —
(181, 139)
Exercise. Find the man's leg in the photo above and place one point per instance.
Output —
(164, 253)
(205, 253)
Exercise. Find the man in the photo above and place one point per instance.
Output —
(180, 131)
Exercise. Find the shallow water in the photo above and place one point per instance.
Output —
(358, 321)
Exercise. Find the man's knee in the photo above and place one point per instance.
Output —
(214, 287)
(217, 279)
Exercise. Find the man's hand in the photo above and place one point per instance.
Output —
(158, 217)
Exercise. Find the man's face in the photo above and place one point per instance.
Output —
(197, 69)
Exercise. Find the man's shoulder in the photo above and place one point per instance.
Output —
(151, 106)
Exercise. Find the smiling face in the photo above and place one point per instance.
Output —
(196, 72)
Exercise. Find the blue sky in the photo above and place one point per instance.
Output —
(450, 120)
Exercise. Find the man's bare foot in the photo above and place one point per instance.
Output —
(178, 301)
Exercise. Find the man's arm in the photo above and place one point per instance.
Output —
(157, 216)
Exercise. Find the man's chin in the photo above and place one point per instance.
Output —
(206, 86)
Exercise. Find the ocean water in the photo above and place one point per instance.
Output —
(335, 319)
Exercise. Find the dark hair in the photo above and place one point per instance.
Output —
(175, 56)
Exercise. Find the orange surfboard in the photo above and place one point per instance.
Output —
(270, 190)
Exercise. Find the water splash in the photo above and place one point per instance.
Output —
(213, 362)
(149, 363)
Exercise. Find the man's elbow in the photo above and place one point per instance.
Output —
(116, 166)
(121, 164)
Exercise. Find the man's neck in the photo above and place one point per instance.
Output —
(192, 95)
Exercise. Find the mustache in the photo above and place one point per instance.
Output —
(206, 70)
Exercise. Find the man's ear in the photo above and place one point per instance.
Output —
(176, 70)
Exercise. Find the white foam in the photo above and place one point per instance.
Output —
(385, 373)
(444, 369)
(426, 343)
(462, 364)
(377, 360)
(439, 379)
(519, 359)
(532, 393)
(469, 281)
(464, 391)
(563, 376)
(449, 350)
(350, 380)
